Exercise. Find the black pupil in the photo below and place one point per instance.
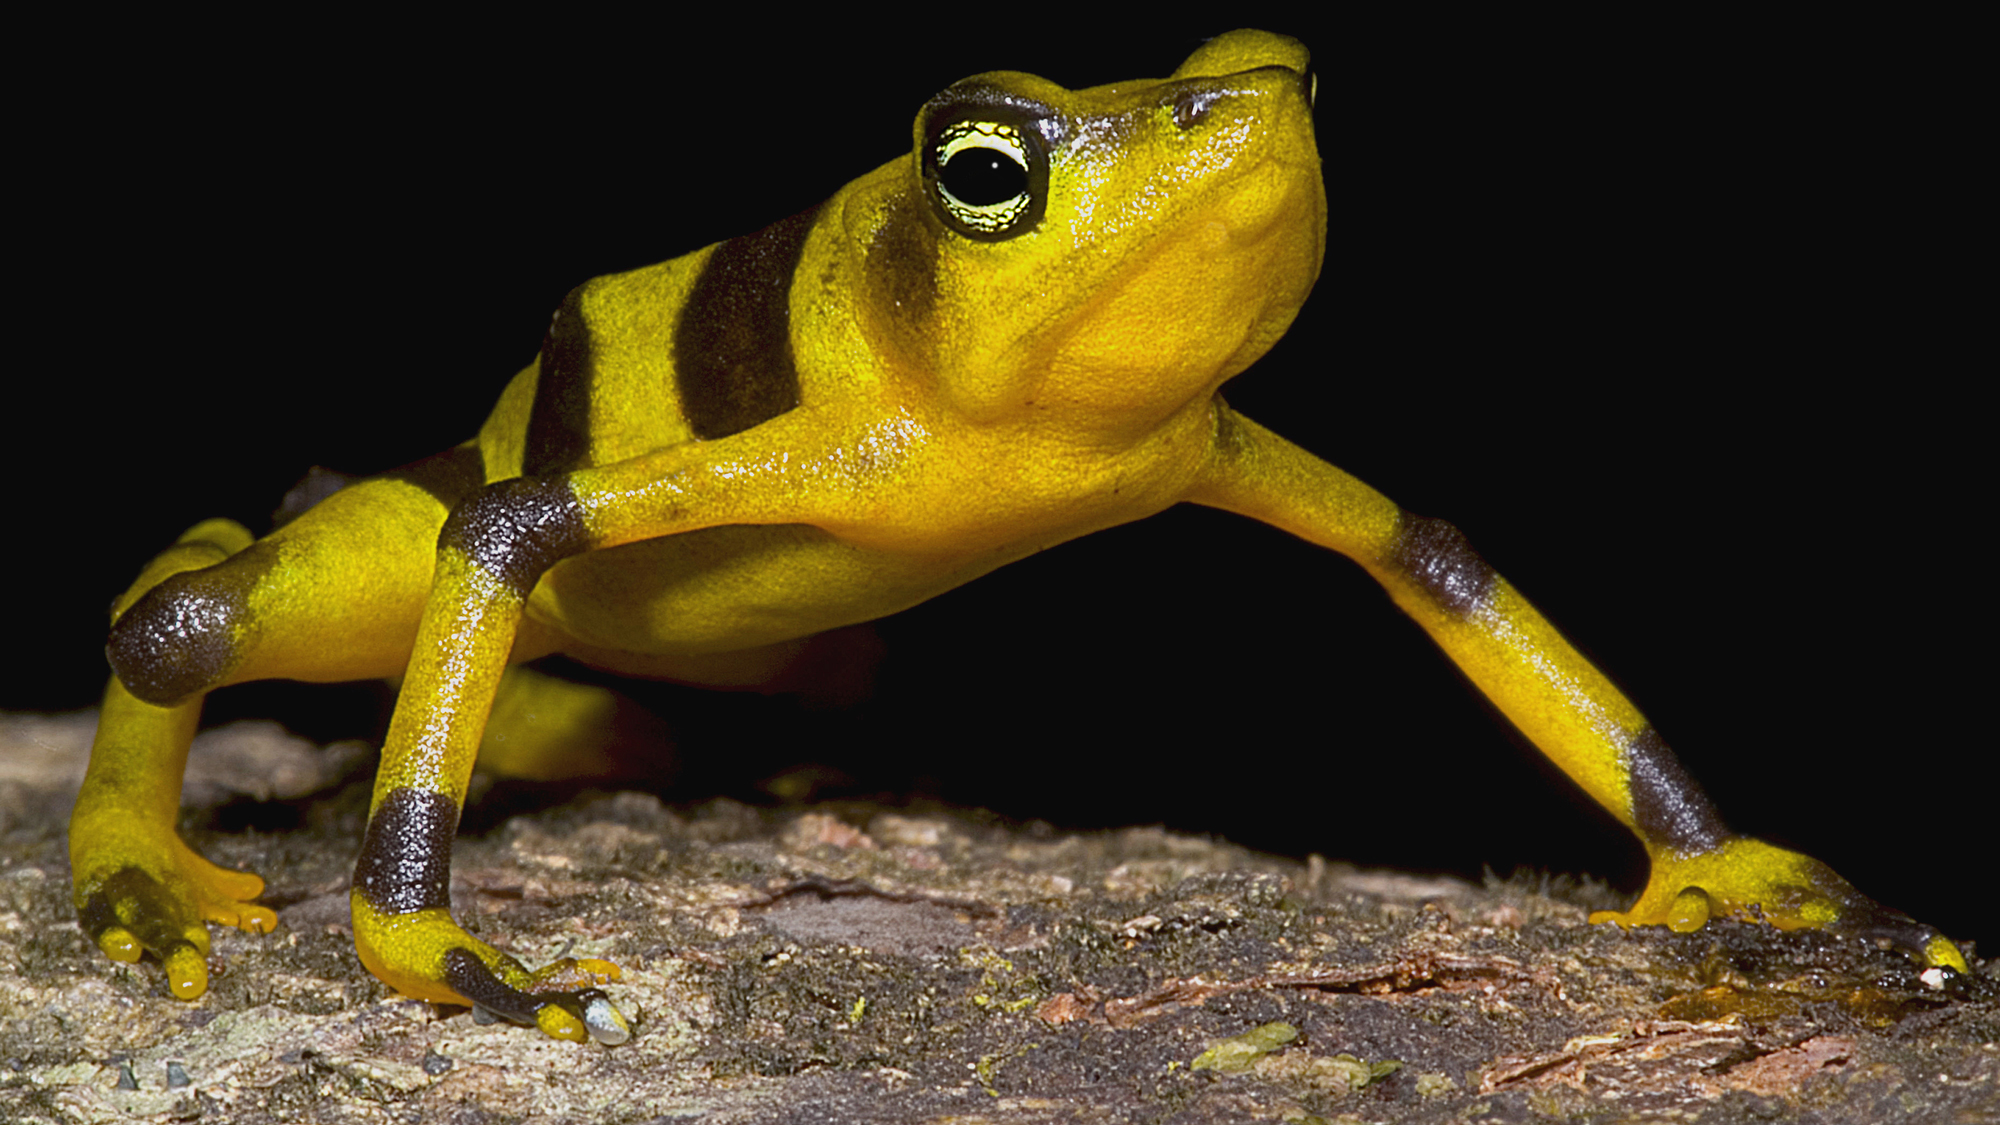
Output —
(982, 177)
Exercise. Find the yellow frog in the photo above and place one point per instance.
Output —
(1011, 337)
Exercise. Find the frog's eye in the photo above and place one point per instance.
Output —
(988, 178)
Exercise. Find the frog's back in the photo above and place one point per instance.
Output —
(689, 349)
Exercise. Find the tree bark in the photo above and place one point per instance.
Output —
(864, 964)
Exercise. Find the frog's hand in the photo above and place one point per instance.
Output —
(491, 552)
(424, 953)
(319, 600)
(1566, 706)
(1744, 878)
(405, 934)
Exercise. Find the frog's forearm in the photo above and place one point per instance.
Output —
(1559, 700)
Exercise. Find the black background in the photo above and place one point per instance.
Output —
(1667, 317)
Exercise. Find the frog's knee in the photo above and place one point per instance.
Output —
(185, 635)
(517, 529)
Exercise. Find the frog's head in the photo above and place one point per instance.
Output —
(1106, 256)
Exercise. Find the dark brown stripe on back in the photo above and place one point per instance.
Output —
(405, 861)
(1437, 557)
(558, 436)
(449, 477)
(1668, 805)
(517, 529)
(319, 483)
(733, 347)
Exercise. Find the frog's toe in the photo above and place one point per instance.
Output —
(586, 1012)
(233, 910)
(560, 998)
(603, 1020)
(1892, 929)
(248, 917)
(1680, 909)
(187, 971)
(575, 979)
(220, 884)
(120, 944)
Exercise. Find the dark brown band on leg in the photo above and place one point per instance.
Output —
(1668, 805)
(1438, 559)
(405, 861)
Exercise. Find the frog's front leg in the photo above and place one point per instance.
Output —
(1739, 877)
(491, 552)
(1569, 709)
(139, 888)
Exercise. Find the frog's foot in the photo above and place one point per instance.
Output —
(1746, 878)
(425, 954)
(160, 906)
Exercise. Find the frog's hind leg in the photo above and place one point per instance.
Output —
(138, 887)
(337, 594)
(332, 596)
